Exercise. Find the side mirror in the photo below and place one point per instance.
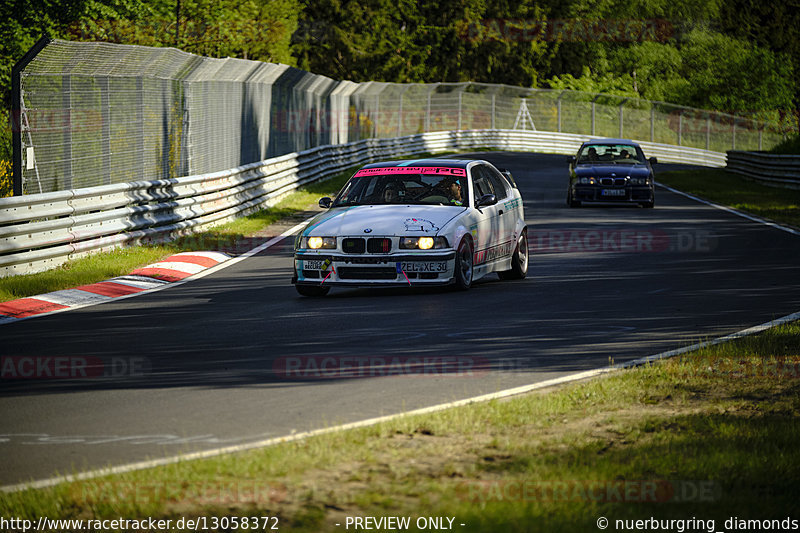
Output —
(325, 202)
(486, 199)
(653, 160)
(571, 159)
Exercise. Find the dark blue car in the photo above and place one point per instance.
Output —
(611, 171)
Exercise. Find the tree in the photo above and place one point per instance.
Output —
(710, 70)
(408, 41)
(249, 29)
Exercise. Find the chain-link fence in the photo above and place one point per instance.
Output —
(100, 113)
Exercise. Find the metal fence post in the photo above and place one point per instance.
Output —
(400, 114)
(428, 114)
(733, 140)
(105, 140)
(493, 110)
(680, 127)
(652, 124)
(558, 105)
(377, 116)
(708, 132)
(16, 111)
(140, 126)
(459, 110)
(66, 105)
(186, 130)
(621, 134)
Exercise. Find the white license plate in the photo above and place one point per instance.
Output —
(313, 264)
(418, 266)
(612, 192)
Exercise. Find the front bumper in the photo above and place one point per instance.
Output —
(374, 270)
(596, 193)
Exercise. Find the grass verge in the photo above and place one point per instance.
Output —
(727, 188)
(711, 435)
(228, 237)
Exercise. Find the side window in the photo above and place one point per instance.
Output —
(482, 186)
(498, 182)
(486, 183)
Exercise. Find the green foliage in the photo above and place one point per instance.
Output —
(6, 179)
(657, 68)
(408, 41)
(6, 176)
(790, 146)
(250, 29)
(606, 83)
(700, 58)
(731, 74)
(771, 25)
(709, 70)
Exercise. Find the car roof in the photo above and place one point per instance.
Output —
(610, 141)
(456, 163)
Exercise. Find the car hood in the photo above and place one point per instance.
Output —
(607, 170)
(382, 220)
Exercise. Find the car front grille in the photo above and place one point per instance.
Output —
(612, 182)
(375, 245)
(353, 246)
(379, 246)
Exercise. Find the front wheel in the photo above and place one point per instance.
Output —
(312, 291)
(519, 261)
(464, 264)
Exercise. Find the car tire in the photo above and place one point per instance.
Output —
(464, 267)
(519, 261)
(312, 291)
(649, 205)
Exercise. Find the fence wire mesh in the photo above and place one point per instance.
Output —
(101, 113)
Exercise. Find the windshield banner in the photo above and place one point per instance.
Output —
(444, 171)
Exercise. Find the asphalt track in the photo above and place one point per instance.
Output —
(209, 356)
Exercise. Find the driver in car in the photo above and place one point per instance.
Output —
(454, 195)
(391, 194)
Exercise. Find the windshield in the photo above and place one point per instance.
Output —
(404, 186)
(609, 153)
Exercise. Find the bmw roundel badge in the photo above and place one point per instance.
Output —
(368, 230)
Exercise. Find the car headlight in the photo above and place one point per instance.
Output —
(423, 243)
(315, 243)
(587, 180)
(640, 181)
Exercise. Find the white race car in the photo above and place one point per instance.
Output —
(415, 223)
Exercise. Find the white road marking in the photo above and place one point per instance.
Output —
(731, 210)
(372, 421)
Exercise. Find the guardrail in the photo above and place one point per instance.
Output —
(772, 169)
(41, 231)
